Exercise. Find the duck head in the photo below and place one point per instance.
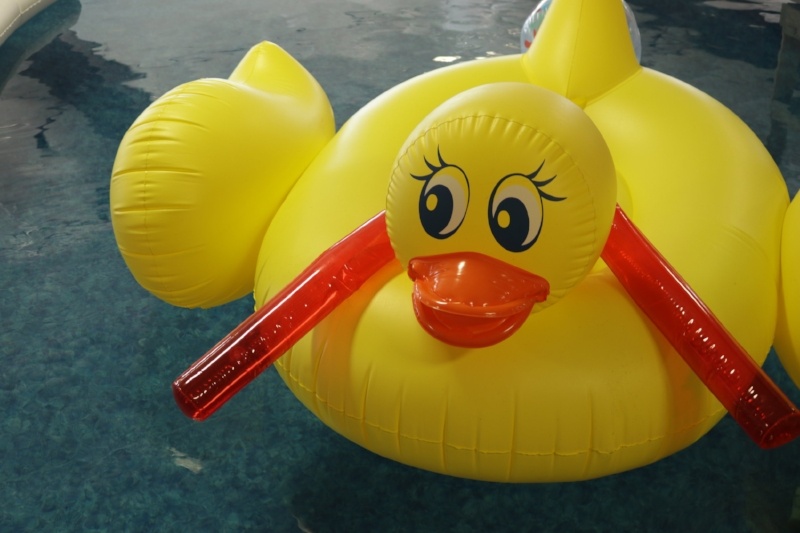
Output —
(500, 202)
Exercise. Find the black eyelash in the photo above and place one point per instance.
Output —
(544, 183)
(433, 168)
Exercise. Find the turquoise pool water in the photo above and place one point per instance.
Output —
(90, 439)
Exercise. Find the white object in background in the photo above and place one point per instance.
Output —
(14, 13)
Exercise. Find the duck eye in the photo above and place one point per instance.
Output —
(515, 213)
(443, 202)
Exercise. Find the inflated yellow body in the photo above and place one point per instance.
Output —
(201, 171)
(587, 387)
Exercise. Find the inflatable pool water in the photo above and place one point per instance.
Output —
(486, 337)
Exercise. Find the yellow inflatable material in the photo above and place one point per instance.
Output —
(201, 171)
(586, 387)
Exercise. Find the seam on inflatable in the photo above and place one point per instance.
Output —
(317, 363)
(7, 29)
(572, 60)
(442, 124)
(365, 396)
(397, 433)
(187, 171)
(615, 88)
(512, 450)
(588, 463)
(446, 411)
(284, 361)
(157, 264)
(176, 120)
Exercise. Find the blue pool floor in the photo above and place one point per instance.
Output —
(90, 439)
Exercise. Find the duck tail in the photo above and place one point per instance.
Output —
(787, 335)
(200, 174)
(591, 53)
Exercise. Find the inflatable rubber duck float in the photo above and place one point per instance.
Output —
(497, 332)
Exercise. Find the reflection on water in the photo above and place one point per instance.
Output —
(75, 75)
(472, 15)
(743, 35)
(769, 10)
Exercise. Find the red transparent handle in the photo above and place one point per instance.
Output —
(752, 399)
(272, 330)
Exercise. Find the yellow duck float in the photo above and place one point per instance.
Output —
(490, 341)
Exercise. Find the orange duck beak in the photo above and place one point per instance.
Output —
(472, 300)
